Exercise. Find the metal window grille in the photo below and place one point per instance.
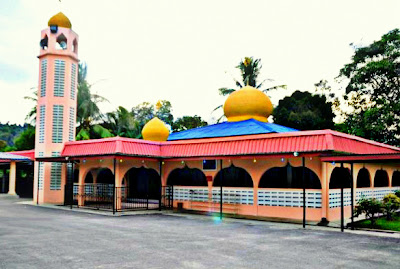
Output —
(42, 118)
(59, 78)
(41, 172)
(71, 136)
(58, 117)
(43, 78)
(73, 81)
(55, 173)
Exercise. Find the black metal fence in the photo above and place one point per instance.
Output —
(108, 197)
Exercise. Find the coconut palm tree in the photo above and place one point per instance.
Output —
(122, 123)
(88, 112)
(249, 70)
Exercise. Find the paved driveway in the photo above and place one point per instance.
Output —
(37, 237)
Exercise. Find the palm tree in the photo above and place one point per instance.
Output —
(249, 70)
(122, 123)
(88, 112)
(31, 116)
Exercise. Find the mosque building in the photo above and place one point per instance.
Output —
(262, 169)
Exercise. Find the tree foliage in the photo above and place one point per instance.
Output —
(249, 71)
(188, 122)
(304, 111)
(370, 207)
(26, 140)
(373, 90)
(390, 204)
(122, 123)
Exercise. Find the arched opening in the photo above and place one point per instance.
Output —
(187, 177)
(89, 177)
(75, 46)
(76, 176)
(396, 179)
(340, 177)
(24, 180)
(44, 42)
(381, 178)
(105, 176)
(363, 178)
(233, 177)
(61, 42)
(143, 183)
(289, 177)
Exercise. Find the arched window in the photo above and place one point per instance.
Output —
(381, 179)
(187, 177)
(363, 178)
(143, 183)
(289, 177)
(44, 42)
(75, 46)
(233, 177)
(105, 176)
(396, 179)
(340, 177)
(61, 42)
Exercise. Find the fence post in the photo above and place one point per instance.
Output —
(304, 191)
(114, 190)
(172, 197)
(342, 199)
(161, 186)
(220, 192)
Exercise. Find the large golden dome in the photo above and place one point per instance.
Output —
(60, 20)
(248, 103)
(155, 130)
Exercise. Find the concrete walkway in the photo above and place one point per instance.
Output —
(43, 237)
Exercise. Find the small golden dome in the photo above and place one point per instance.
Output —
(155, 130)
(248, 103)
(60, 20)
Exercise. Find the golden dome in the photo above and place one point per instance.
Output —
(60, 20)
(248, 103)
(155, 130)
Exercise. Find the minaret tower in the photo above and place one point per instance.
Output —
(56, 107)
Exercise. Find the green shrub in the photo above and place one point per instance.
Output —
(397, 193)
(391, 203)
(370, 207)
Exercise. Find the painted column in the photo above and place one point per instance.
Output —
(13, 179)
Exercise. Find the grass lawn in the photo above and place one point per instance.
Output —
(381, 223)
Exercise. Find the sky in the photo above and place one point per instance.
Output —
(183, 51)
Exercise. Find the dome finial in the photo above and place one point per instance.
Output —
(155, 130)
(248, 103)
(60, 20)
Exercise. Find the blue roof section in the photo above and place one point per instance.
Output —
(12, 157)
(224, 129)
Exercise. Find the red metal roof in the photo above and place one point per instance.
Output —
(363, 158)
(26, 153)
(277, 143)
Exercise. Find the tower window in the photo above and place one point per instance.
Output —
(73, 81)
(43, 78)
(61, 42)
(59, 75)
(58, 117)
(42, 118)
(71, 124)
(41, 173)
(44, 42)
(55, 173)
